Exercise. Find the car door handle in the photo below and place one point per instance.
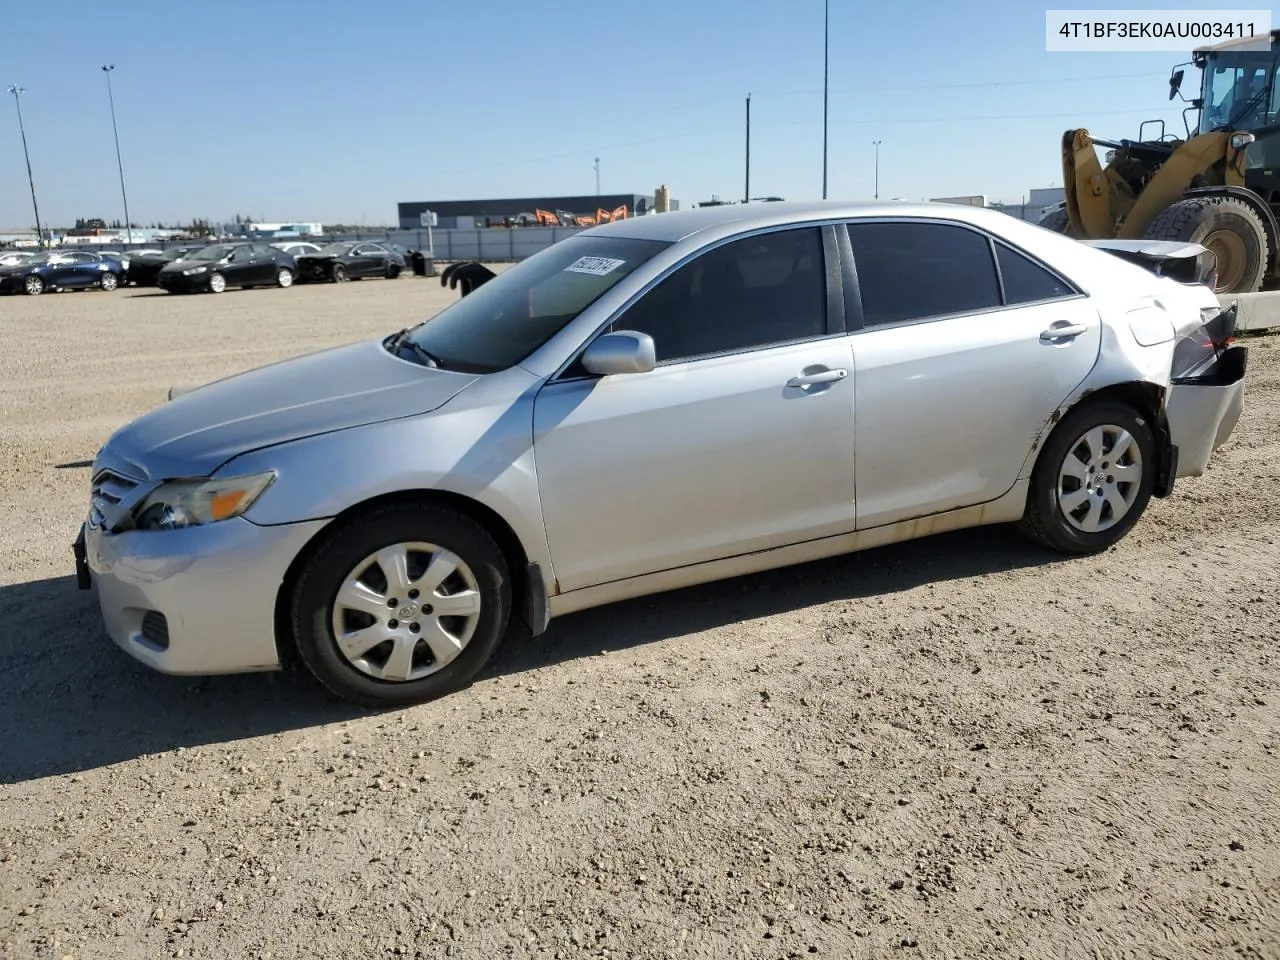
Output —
(1062, 331)
(823, 376)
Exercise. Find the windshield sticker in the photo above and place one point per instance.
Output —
(596, 266)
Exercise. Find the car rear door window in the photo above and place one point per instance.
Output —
(915, 270)
(1025, 281)
(748, 293)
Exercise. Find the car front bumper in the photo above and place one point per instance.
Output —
(178, 283)
(195, 601)
(1203, 410)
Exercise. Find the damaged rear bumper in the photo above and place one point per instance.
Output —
(1204, 408)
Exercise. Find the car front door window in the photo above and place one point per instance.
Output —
(754, 292)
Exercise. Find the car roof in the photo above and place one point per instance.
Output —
(739, 217)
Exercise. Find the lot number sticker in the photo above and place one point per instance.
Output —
(596, 266)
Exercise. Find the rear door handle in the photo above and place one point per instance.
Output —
(824, 376)
(1063, 331)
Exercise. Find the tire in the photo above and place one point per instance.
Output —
(1057, 514)
(393, 271)
(33, 285)
(1057, 220)
(217, 283)
(1227, 226)
(339, 273)
(109, 281)
(284, 277)
(349, 552)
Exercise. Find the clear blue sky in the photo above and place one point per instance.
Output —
(336, 109)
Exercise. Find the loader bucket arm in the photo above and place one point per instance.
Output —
(1085, 186)
(1195, 158)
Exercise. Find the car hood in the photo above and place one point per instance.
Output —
(177, 265)
(197, 432)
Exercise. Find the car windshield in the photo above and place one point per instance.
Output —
(216, 252)
(506, 319)
(336, 249)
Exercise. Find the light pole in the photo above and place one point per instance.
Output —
(826, 56)
(597, 176)
(128, 227)
(876, 144)
(746, 191)
(16, 90)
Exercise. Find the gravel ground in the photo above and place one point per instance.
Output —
(954, 748)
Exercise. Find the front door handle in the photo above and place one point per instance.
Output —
(1063, 331)
(823, 376)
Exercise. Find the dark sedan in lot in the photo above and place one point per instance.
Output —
(351, 260)
(214, 268)
(69, 270)
(144, 268)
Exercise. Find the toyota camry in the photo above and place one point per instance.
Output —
(646, 405)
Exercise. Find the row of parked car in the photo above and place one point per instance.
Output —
(210, 268)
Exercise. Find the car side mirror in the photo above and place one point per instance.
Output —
(1175, 83)
(623, 351)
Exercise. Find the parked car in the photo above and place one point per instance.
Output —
(214, 268)
(646, 405)
(352, 260)
(297, 248)
(61, 270)
(145, 267)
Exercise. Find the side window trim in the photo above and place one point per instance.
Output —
(829, 229)
(851, 271)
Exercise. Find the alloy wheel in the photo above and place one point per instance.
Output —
(1100, 478)
(406, 611)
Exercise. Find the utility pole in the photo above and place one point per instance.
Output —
(16, 90)
(128, 226)
(876, 144)
(597, 176)
(826, 57)
(746, 192)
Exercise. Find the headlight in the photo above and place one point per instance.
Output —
(190, 503)
(1109, 156)
(191, 271)
(1241, 140)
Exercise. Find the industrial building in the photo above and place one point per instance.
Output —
(469, 214)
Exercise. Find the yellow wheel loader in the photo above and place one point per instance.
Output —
(1219, 187)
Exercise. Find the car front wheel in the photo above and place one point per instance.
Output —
(109, 282)
(401, 605)
(284, 277)
(339, 273)
(1093, 479)
(33, 285)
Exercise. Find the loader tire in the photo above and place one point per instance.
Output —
(1057, 221)
(1229, 228)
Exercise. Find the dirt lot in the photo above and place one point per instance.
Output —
(955, 748)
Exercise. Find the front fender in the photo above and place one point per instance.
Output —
(479, 446)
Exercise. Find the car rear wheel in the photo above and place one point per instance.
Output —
(33, 285)
(339, 273)
(393, 271)
(217, 283)
(284, 277)
(401, 605)
(109, 282)
(1093, 479)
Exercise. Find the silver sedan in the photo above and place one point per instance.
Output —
(646, 405)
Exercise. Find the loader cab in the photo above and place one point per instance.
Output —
(1239, 90)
